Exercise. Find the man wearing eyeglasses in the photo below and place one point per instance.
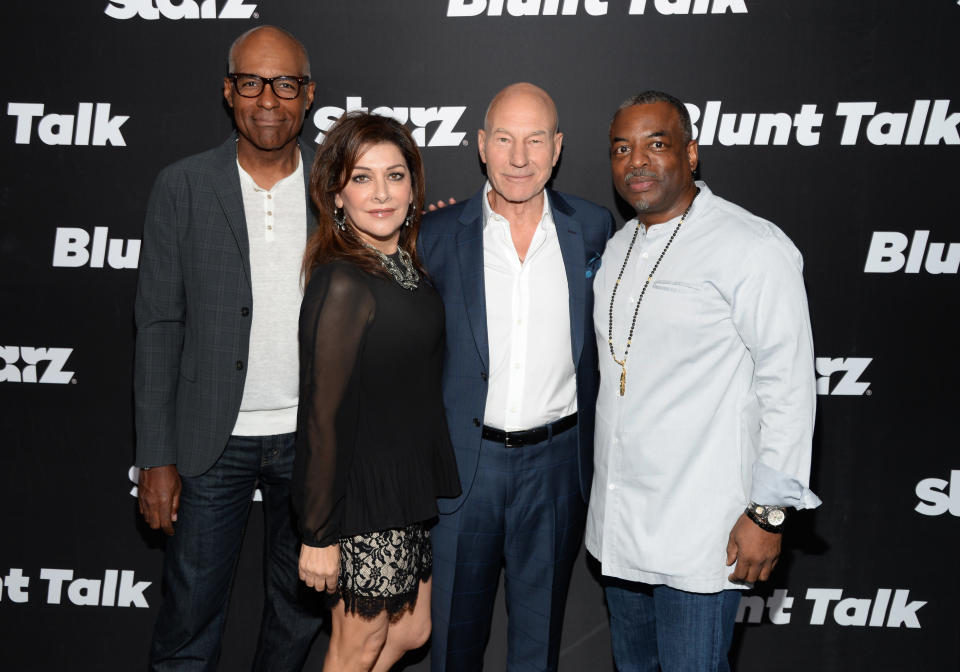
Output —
(216, 369)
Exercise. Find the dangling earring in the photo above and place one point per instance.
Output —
(406, 222)
(340, 219)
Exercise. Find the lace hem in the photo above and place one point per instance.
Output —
(382, 571)
(369, 608)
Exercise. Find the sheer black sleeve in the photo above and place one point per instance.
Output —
(337, 308)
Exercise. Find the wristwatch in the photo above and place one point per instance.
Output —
(769, 518)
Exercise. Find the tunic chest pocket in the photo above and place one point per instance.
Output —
(675, 286)
(688, 304)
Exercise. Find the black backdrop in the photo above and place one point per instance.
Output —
(859, 170)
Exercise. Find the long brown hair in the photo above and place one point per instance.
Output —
(347, 139)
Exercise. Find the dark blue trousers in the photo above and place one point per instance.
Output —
(656, 628)
(523, 512)
(201, 558)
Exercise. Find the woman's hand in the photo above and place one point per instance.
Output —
(320, 567)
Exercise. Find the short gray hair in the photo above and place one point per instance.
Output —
(651, 96)
(231, 62)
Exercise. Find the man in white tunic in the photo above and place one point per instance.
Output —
(706, 405)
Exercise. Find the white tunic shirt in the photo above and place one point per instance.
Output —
(277, 231)
(720, 394)
(532, 380)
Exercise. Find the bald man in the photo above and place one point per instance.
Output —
(515, 266)
(216, 371)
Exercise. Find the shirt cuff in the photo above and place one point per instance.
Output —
(774, 488)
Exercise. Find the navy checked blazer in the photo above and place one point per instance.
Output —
(450, 246)
(193, 310)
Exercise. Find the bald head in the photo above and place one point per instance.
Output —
(526, 96)
(520, 145)
(267, 37)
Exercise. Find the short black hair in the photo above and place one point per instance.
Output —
(648, 97)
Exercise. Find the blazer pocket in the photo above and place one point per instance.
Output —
(593, 265)
(188, 366)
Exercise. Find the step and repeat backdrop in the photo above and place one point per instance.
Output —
(840, 122)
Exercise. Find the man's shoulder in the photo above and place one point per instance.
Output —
(440, 222)
(578, 207)
(203, 163)
(745, 230)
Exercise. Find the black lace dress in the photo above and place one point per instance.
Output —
(373, 451)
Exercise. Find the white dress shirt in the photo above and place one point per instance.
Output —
(720, 394)
(277, 231)
(532, 380)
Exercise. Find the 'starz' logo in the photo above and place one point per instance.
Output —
(184, 9)
(133, 474)
(31, 359)
(446, 134)
(849, 384)
(938, 496)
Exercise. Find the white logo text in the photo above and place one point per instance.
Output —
(184, 9)
(934, 497)
(70, 249)
(31, 358)
(446, 119)
(68, 129)
(886, 254)
(849, 384)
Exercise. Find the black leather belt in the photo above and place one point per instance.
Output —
(528, 437)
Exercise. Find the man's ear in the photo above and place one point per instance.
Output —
(481, 147)
(228, 91)
(693, 155)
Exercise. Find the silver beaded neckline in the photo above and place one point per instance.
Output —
(407, 277)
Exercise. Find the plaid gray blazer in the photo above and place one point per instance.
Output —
(193, 310)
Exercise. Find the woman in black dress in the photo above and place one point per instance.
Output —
(373, 451)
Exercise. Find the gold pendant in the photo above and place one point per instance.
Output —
(623, 379)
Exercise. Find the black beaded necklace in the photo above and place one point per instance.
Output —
(623, 362)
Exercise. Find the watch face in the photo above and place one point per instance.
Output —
(776, 517)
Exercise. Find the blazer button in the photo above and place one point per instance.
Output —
(476, 422)
(239, 365)
(244, 311)
(483, 375)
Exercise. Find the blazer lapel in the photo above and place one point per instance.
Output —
(470, 255)
(306, 155)
(226, 185)
(570, 235)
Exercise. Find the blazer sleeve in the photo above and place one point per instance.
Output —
(159, 311)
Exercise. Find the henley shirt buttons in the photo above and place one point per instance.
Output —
(239, 365)
(612, 486)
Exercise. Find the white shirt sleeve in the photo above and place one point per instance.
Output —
(769, 310)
